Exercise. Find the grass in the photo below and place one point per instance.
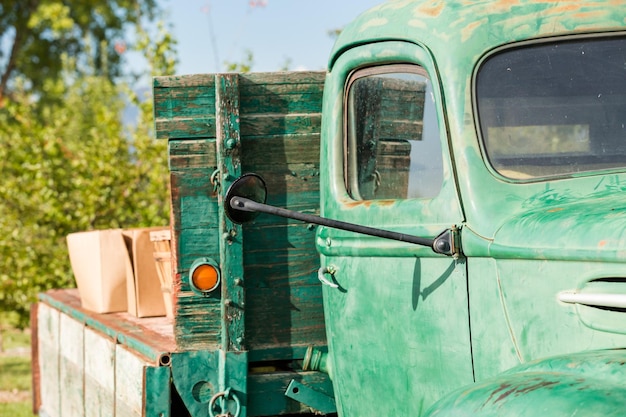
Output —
(15, 339)
(21, 409)
(15, 373)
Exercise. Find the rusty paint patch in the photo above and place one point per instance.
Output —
(592, 14)
(508, 3)
(556, 209)
(602, 243)
(506, 390)
(36, 372)
(466, 33)
(497, 390)
(433, 10)
(534, 387)
(370, 203)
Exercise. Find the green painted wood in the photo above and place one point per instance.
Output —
(233, 364)
(71, 366)
(184, 106)
(282, 115)
(195, 376)
(99, 374)
(295, 319)
(189, 127)
(198, 324)
(157, 391)
(231, 250)
(269, 125)
(49, 346)
(192, 153)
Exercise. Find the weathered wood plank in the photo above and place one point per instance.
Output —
(231, 249)
(175, 81)
(279, 118)
(71, 366)
(49, 346)
(278, 78)
(192, 153)
(99, 374)
(201, 318)
(280, 150)
(298, 102)
(287, 124)
(184, 105)
(184, 110)
(157, 391)
(129, 377)
(150, 337)
(185, 128)
(187, 100)
(296, 317)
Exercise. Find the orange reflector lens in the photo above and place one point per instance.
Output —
(205, 277)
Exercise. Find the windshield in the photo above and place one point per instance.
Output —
(554, 108)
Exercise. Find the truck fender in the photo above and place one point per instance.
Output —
(587, 384)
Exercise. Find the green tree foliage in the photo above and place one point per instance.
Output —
(69, 163)
(38, 32)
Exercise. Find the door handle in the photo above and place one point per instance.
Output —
(594, 299)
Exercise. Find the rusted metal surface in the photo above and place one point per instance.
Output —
(34, 358)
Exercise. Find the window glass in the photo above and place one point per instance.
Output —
(554, 108)
(393, 148)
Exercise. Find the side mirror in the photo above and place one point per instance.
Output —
(246, 197)
(248, 186)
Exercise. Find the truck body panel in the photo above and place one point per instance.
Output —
(523, 245)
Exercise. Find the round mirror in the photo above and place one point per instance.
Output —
(250, 186)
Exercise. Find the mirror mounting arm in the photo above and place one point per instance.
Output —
(445, 243)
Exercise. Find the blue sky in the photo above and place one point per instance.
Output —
(210, 32)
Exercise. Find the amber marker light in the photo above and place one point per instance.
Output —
(204, 276)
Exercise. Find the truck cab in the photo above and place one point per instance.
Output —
(511, 134)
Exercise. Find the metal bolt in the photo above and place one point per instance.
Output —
(231, 143)
(328, 242)
(238, 282)
(228, 302)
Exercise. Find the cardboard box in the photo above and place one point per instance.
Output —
(145, 298)
(163, 261)
(100, 263)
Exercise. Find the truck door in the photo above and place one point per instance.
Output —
(396, 314)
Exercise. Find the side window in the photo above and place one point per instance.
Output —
(393, 146)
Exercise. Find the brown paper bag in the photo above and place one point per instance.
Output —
(145, 298)
(100, 263)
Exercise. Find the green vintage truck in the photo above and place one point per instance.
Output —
(468, 162)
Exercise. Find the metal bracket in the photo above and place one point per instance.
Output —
(310, 397)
